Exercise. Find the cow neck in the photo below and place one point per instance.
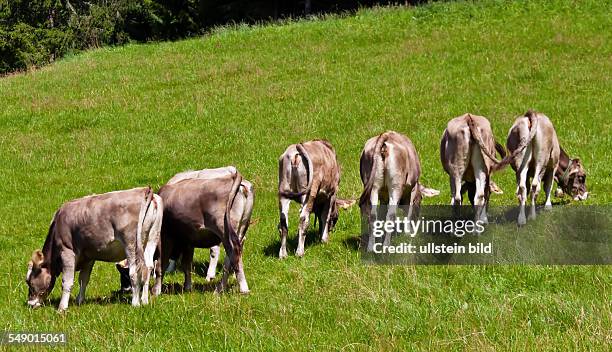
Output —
(563, 167)
(48, 253)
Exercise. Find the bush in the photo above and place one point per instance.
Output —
(25, 46)
(35, 32)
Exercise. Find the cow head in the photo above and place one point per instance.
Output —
(39, 279)
(428, 192)
(573, 180)
(338, 204)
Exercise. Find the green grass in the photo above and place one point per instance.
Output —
(117, 118)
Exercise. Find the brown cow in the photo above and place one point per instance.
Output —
(107, 227)
(535, 154)
(203, 213)
(467, 153)
(309, 174)
(244, 203)
(390, 170)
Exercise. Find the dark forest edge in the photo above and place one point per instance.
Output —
(34, 33)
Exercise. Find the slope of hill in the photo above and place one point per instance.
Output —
(122, 117)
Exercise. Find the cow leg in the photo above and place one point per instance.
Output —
(158, 277)
(68, 259)
(522, 161)
(411, 206)
(471, 191)
(242, 283)
(395, 194)
(149, 252)
(166, 246)
(521, 193)
(283, 226)
(548, 184)
(535, 190)
(134, 276)
(84, 280)
(371, 213)
(480, 199)
(325, 218)
(456, 197)
(304, 222)
(227, 268)
(481, 183)
(212, 263)
(187, 262)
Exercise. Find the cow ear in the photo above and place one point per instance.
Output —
(495, 188)
(37, 258)
(429, 192)
(576, 166)
(345, 203)
(578, 162)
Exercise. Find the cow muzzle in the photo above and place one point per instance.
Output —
(34, 303)
(582, 196)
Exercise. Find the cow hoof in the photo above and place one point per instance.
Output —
(209, 279)
(61, 310)
(548, 207)
(245, 292)
(299, 254)
(521, 220)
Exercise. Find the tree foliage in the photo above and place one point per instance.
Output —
(36, 32)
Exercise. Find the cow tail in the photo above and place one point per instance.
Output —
(524, 142)
(500, 149)
(367, 190)
(249, 198)
(144, 207)
(309, 167)
(478, 138)
(230, 231)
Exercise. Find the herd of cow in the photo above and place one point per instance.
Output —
(207, 208)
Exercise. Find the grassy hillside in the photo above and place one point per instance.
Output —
(122, 117)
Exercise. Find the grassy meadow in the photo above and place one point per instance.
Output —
(117, 118)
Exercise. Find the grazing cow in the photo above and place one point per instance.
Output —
(535, 154)
(390, 170)
(107, 227)
(204, 212)
(309, 174)
(467, 153)
(244, 199)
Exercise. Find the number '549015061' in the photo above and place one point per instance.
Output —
(18, 338)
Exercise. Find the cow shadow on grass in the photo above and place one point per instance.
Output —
(312, 238)
(352, 243)
(115, 297)
(199, 269)
(175, 288)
